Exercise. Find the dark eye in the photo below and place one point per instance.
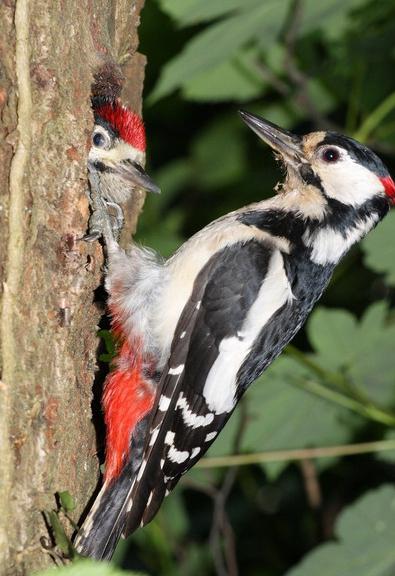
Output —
(330, 155)
(99, 140)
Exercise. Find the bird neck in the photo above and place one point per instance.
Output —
(320, 229)
(328, 238)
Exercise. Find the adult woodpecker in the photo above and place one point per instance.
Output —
(116, 157)
(201, 327)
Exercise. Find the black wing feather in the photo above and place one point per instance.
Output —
(223, 292)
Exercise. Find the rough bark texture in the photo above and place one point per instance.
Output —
(49, 52)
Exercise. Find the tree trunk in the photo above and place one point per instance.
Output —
(50, 51)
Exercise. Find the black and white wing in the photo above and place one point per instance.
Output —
(234, 295)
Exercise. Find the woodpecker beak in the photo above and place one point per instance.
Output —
(135, 173)
(128, 170)
(287, 144)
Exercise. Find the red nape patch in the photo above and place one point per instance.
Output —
(389, 187)
(128, 124)
(127, 399)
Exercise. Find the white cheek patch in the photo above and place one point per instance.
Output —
(348, 182)
(120, 151)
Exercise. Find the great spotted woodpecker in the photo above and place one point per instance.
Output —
(116, 157)
(198, 329)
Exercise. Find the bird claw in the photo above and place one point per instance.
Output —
(98, 222)
(101, 220)
(117, 219)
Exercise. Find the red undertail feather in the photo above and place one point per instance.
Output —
(128, 124)
(127, 399)
(389, 187)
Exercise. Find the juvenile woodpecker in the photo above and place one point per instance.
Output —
(198, 329)
(116, 157)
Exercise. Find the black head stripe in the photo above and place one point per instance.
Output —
(277, 222)
(310, 177)
(358, 152)
(100, 167)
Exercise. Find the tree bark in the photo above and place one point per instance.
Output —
(50, 51)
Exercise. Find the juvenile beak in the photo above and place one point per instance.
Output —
(135, 173)
(287, 144)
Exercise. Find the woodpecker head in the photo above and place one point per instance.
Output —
(117, 152)
(339, 168)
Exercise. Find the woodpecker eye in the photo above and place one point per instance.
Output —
(99, 140)
(330, 155)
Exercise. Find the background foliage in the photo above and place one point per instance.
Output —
(305, 65)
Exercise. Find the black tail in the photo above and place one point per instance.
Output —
(106, 521)
(103, 527)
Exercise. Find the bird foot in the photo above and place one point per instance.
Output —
(116, 216)
(99, 222)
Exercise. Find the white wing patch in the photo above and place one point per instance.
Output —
(220, 387)
(177, 456)
(141, 471)
(154, 436)
(164, 402)
(210, 436)
(169, 439)
(177, 370)
(191, 419)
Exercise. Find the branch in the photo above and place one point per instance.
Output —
(297, 454)
(221, 525)
(350, 396)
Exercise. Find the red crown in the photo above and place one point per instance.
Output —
(389, 187)
(128, 124)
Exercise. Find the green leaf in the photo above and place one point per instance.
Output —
(281, 416)
(333, 333)
(220, 42)
(66, 501)
(361, 351)
(332, 16)
(187, 12)
(379, 249)
(160, 228)
(174, 517)
(60, 536)
(218, 154)
(110, 345)
(324, 101)
(84, 567)
(387, 455)
(366, 533)
(234, 79)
